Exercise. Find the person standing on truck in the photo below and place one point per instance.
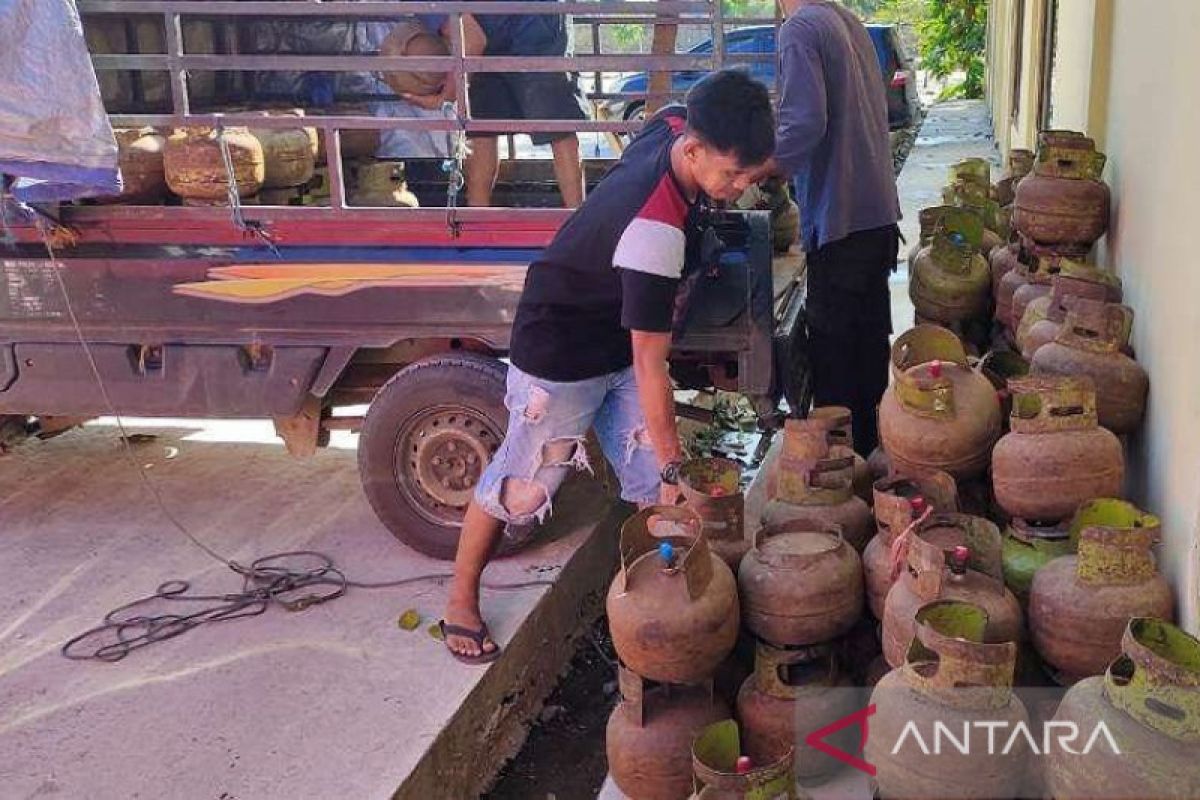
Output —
(522, 95)
(593, 329)
(833, 137)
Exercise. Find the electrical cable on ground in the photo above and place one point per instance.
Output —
(268, 580)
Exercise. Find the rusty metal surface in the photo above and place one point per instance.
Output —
(938, 413)
(1055, 456)
(712, 488)
(1079, 605)
(801, 584)
(649, 735)
(928, 578)
(1149, 701)
(951, 676)
(714, 756)
(790, 696)
(675, 621)
(1089, 343)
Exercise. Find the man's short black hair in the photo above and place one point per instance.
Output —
(731, 111)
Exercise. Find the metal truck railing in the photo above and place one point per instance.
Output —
(182, 66)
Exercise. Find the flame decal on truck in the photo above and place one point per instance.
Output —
(270, 283)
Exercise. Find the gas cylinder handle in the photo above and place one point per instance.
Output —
(950, 634)
(982, 538)
(769, 660)
(637, 540)
(1095, 325)
(1111, 512)
(806, 454)
(838, 423)
(918, 360)
(1049, 404)
(1157, 679)
(893, 512)
(1110, 556)
(796, 526)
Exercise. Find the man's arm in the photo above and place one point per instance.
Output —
(474, 43)
(650, 352)
(803, 113)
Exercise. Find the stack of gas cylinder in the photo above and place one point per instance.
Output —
(673, 612)
(269, 166)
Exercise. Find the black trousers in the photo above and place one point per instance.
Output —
(850, 320)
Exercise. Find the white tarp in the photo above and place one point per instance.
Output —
(54, 135)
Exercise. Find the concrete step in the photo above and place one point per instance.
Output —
(334, 701)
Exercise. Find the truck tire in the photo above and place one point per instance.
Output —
(427, 436)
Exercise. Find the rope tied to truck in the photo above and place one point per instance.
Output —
(249, 227)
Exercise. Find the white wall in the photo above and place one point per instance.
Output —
(1151, 133)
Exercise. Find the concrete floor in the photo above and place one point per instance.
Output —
(335, 701)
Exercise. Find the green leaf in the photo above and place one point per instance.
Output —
(409, 620)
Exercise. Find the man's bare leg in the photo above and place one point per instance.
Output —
(480, 535)
(482, 166)
(568, 170)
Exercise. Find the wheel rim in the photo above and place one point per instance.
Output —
(440, 454)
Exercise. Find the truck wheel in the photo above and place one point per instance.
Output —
(426, 438)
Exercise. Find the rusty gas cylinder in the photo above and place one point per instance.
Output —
(1090, 344)
(712, 488)
(1003, 260)
(1045, 316)
(790, 696)
(1029, 280)
(1020, 164)
(673, 606)
(1009, 283)
(927, 220)
(289, 154)
(1147, 707)
(382, 184)
(195, 167)
(1079, 605)
(723, 771)
(950, 557)
(800, 584)
(1029, 546)
(140, 158)
(815, 484)
(1031, 302)
(938, 413)
(1025, 296)
(899, 501)
(951, 677)
(649, 736)
(879, 465)
(356, 144)
(840, 432)
(1056, 455)
(1063, 201)
(950, 279)
(977, 199)
(1000, 367)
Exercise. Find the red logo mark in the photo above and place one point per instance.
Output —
(816, 739)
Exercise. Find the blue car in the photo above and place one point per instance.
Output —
(895, 68)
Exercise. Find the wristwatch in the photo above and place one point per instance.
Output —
(670, 473)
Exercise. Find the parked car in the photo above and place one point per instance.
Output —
(896, 71)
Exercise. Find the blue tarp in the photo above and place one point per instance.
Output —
(54, 135)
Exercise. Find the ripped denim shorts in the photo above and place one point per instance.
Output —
(548, 422)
